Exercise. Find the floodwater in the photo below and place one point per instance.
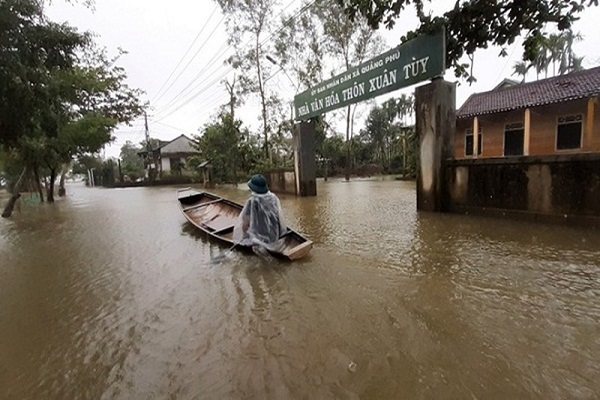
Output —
(110, 294)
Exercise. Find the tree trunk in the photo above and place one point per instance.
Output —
(50, 194)
(38, 184)
(263, 101)
(8, 210)
(62, 191)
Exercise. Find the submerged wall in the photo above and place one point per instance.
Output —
(282, 181)
(552, 188)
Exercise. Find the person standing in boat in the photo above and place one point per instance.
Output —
(260, 223)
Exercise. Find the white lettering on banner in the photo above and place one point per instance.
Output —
(303, 109)
(415, 68)
(384, 80)
(358, 89)
(332, 100)
(371, 66)
(392, 57)
(316, 105)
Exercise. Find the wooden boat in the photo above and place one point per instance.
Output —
(217, 216)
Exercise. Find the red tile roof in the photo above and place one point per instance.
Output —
(558, 89)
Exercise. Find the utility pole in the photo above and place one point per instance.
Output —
(146, 131)
(148, 148)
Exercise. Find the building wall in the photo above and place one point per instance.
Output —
(281, 181)
(594, 141)
(543, 130)
(560, 188)
(165, 164)
(544, 121)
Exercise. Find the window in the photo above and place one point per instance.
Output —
(513, 139)
(469, 142)
(568, 132)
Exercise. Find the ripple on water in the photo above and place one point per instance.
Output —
(111, 294)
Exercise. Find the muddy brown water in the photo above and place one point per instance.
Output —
(110, 294)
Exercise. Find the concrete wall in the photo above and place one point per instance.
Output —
(561, 187)
(543, 130)
(282, 181)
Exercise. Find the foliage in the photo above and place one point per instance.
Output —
(554, 50)
(60, 96)
(32, 52)
(131, 163)
(220, 145)
(86, 162)
(475, 24)
(248, 23)
(299, 50)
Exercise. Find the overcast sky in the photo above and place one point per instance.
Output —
(176, 51)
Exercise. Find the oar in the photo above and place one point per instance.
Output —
(224, 255)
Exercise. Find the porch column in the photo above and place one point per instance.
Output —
(475, 137)
(588, 134)
(527, 134)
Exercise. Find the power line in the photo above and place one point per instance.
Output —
(186, 53)
(194, 56)
(508, 60)
(194, 96)
(216, 100)
(171, 126)
(188, 88)
(222, 52)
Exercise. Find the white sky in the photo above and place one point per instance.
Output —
(157, 35)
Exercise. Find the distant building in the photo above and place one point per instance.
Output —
(170, 157)
(551, 116)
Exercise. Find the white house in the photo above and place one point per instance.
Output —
(170, 157)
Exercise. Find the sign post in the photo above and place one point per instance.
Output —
(412, 62)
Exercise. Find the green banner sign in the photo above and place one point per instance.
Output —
(414, 61)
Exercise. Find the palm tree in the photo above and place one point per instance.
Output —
(577, 64)
(542, 60)
(520, 68)
(567, 63)
(555, 45)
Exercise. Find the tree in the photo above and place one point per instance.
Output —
(569, 62)
(553, 50)
(248, 23)
(475, 24)
(132, 164)
(31, 49)
(520, 68)
(349, 42)
(298, 49)
(220, 144)
(69, 95)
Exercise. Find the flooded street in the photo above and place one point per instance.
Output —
(111, 294)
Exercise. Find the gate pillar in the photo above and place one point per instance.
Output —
(435, 106)
(305, 166)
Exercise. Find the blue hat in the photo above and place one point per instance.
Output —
(258, 184)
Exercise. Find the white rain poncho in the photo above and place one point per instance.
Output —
(260, 223)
